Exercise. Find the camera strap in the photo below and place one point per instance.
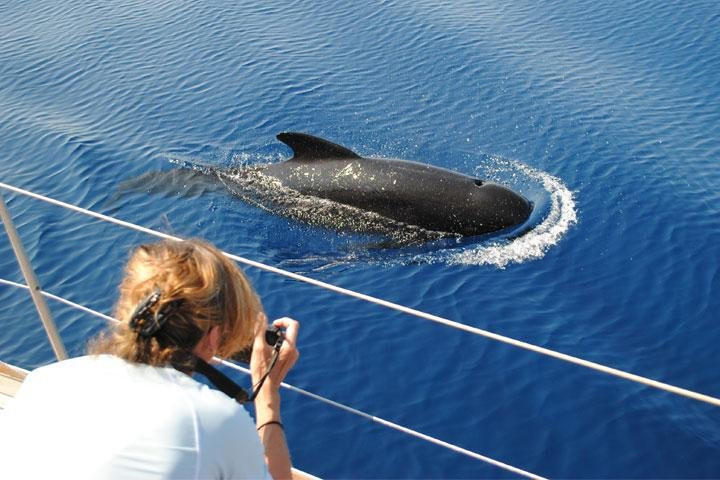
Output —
(221, 381)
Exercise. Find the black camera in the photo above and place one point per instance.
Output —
(273, 336)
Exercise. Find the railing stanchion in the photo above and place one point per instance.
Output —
(32, 282)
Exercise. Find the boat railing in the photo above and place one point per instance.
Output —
(34, 287)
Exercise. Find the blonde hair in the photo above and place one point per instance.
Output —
(207, 290)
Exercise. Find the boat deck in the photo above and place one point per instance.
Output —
(10, 380)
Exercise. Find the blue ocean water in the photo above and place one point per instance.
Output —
(604, 113)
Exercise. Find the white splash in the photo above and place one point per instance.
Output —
(533, 244)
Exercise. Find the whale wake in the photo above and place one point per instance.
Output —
(534, 243)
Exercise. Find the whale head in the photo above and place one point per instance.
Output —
(494, 207)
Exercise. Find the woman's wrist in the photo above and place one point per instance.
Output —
(267, 406)
(268, 394)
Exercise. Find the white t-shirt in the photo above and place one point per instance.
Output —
(101, 417)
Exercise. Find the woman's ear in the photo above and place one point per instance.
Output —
(209, 344)
(214, 338)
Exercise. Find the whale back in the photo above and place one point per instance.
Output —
(412, 193)
(307, 148)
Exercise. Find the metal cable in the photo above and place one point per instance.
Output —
(401, 308)
(395, 426)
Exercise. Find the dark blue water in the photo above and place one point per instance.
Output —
(604, 113)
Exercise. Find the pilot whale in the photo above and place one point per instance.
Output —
(413, 193)
(329, 185)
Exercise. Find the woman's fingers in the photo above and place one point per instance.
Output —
(290, 326)
(289, 353)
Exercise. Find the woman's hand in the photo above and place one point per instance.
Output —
(262, 352)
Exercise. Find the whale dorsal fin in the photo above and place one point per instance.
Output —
(308, 148)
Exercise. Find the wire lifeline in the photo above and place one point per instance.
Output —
(59, 299)
(400, 428)
(401, 308)
(325, 400)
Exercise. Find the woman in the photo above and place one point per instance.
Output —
(131, 408)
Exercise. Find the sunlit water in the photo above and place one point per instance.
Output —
(603, 114)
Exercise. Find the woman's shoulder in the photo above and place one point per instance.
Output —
(82, 362)
(65, 368)
(112, 374)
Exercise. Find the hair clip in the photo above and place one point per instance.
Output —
(143, 320)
